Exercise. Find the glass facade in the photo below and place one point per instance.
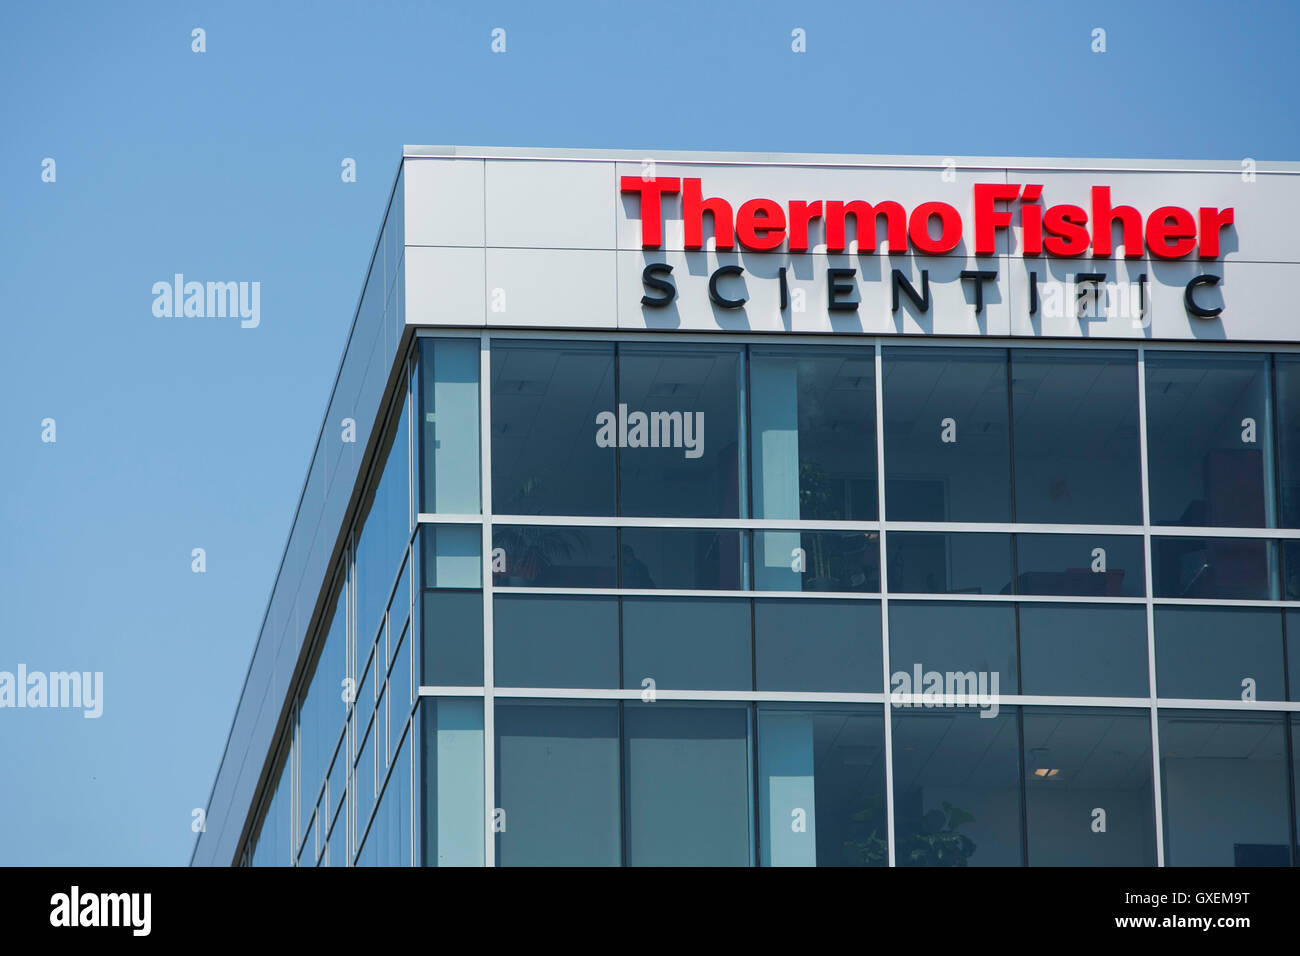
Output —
(631, 601)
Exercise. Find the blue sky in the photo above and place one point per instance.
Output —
(225, 165)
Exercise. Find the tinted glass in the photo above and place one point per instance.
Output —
(1231, 568)
(1288, 437)
(682, 558)
(453, 638)
(805, 644)
(934, 562)
(1084, 650)
(1208, 431)
(557, 778)
(1224, 786)
(683, 643)
(1219, 653)
(821, 786)
(449, 425)
(451, 557)
(1076, 448)
(947, 443)
(813, 413)
(550, 556)
(381, 543)
(1088, 794)
(960, 637)
(543, 640)
(1291, 570)
(689, 784)
(817, 561)
(1292, 621)
(1080, 564)
(545, 399)
(956, 787)
(451, 734)
(678, 431)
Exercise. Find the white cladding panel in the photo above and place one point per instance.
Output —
(563, 247)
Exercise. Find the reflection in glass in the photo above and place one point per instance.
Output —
(956, 787)
(1288, 437)
(823, 766)
(451, 557)
(545, 399)
(557, 779)
(1088, 794)
(1209, 436)
(683, 558)
(1224, 787)
(947, 443)
(545, 640)
(1084, 650)
(551, 556)
(667, 469)
(1219, 653)
(1075, 415)
(817, 561)
(689, 784)
(813, 645)
(449, 424)
(451, 731)
(1223, 568)
(940, 562)
(1080, 564)
(813, 413)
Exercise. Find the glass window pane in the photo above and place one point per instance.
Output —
(821, 786)
(678, 429)
(953, 640)
(806, 644)
(453, 823)
(449, 426)
(1210, 443)
(689, 784)
(813, 413)
(549, 556)
(1080, 564)
(557, 778)
(1288, 437)
(1291, 569)
(1292, 622)
(947, 443)
(452, 555)
(1224, 789)
(956, 787)
(1076, 448)
(817, 561)
(1219, 653)
(1084, 650)
(687, 643)
(1088, 794)
(453, 639)
(938, 562)
(544, 640)
(1224, 568)
(382, 536)
(683, 558)
(545, 401)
